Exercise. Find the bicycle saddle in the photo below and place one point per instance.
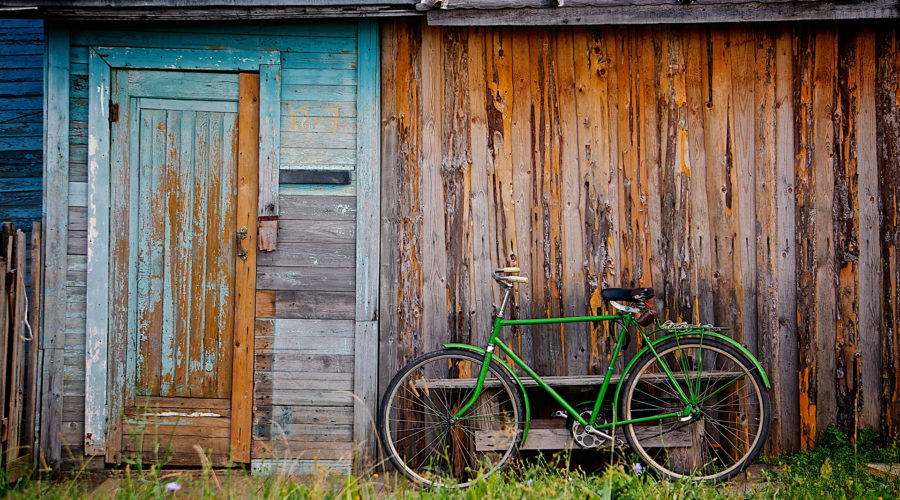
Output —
(627, 294)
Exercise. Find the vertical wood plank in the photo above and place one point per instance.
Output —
(765, 177)
(224, 355)
(455, 183)
(701, 235)
(200, 187)
(743, 76)
(122, 244)
(887, 84)
(16, 363)
(368, 211)
(97, 320)
(55, 214)
(180, 130)
(592, 110)
(34, 343)
(846, 232)
(719, 177)
(870, 281)
(269, 151)
(805, 226)
(479, 214)
(4, 337)
(390, 174)
(245, 270)
(434, 253)
(522, 180)
(784, 382)
(823, 182)
(572, 201)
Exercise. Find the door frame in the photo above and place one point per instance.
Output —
(105, 378)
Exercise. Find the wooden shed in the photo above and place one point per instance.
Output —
(255, 214)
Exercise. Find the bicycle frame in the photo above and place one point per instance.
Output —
(624, 320)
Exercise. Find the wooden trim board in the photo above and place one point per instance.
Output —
(56, 208)
(245, 270)
(368, 242)
(97, 321)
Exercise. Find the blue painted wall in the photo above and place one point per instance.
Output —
(21, 104)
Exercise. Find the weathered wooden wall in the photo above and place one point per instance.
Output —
(747, 173)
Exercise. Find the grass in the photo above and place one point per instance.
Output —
(834, 469)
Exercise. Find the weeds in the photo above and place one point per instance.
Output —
(834, 469)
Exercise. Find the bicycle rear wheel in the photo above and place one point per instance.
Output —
(730, 415)
(424, 439)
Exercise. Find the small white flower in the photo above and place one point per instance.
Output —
(528, 483)
(638, 468)
(173, 486)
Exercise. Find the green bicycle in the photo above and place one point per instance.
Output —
(692, 403)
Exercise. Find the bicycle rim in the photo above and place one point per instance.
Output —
(426, 442)
(727, 426)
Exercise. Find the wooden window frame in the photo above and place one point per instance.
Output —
(103, 60)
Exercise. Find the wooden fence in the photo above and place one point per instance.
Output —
(19, 320)
(748, 173)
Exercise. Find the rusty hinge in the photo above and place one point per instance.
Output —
(113, 111)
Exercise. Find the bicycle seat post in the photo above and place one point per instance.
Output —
(506, 282)
(502, 312)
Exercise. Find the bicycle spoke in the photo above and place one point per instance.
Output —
(723, 430)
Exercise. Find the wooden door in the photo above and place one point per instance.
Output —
(180, 146)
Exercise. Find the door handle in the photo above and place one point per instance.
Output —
(241, 236)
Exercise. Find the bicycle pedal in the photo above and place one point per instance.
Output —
(559, 414)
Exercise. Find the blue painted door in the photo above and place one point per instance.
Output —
(178, 136)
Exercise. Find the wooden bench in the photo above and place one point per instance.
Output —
(552, 434)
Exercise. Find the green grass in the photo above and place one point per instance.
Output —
(832, 470)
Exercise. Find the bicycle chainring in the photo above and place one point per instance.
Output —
(584, 438)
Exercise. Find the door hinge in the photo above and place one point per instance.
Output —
(113, 112)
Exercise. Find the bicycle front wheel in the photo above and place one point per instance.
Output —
(729, 412)
(427, 441)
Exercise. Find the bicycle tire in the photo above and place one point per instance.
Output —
(416, 420)
(724, 432)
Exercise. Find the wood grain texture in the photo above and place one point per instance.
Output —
(98, 251)
(56, 179)
(368, 244)
(245, 271)
(721, 166)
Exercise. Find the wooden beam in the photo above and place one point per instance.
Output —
(97, 320)
(269, 150)
(56, 206)
(668, 13)
(186, 59)
(245, 270)
(368, 241)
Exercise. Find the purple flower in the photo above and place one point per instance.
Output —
(638, 468)
(173, 486)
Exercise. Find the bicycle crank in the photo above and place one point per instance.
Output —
(587, 436)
